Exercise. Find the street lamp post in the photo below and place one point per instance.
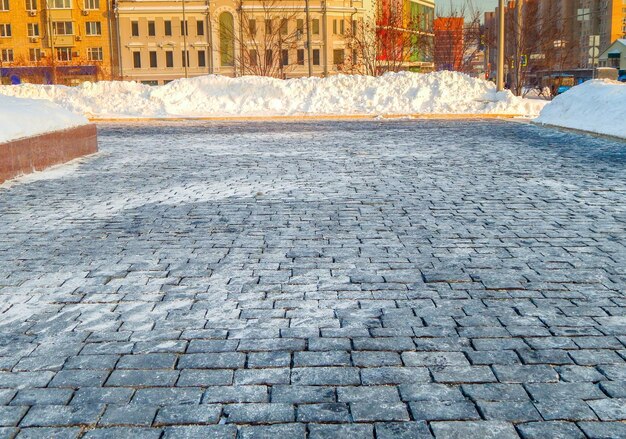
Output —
(500, 72)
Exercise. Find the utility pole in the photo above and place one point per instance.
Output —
(185, 52)
(518, 47)
(309, 49)
(500, 72)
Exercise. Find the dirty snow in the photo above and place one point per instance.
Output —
(221, 96)
(29, 117)
(597, 106)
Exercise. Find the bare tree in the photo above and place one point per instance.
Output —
(392, 40)
(458, 37)
(265, 40)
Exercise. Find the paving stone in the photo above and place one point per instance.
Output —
(167, 396)
(603, 430)
(495, 392)
(569, 410)
(326, 431)
(117, 432)
(615, 389)
(303, 394)
(204, 378)
(201, 432)
(403, 430)
(42, 397)
(482, 429)
(551, 429)
(232, 394)
(268, 359)
(262, 376)
(10, 416)
(325, 376)
(188, 414)
(60, 416)
(101, 395)
(326, 412)
(511, 411)
(525, 374)
(142, 378)
(136, 415)
(260, 413)
(394, 375)
(443, 411)
(382, 411)
(48, 432)
(430, 392)
(463, 374)
(613, 409)
(285, 431)
(147, 361)
(558, 391)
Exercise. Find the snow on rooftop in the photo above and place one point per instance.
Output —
(21, 118)
(597, 106)
(220, 96)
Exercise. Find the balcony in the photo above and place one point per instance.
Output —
(63, 40)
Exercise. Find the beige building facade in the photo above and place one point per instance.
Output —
(162, 40)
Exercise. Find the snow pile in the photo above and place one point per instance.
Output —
(29, 117)
(215, 96)
(598, 106)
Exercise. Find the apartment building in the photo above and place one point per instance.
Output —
(602, 22)
(55, 41)
(161, 40)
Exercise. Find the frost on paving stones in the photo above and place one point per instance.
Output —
(21, 118)
(214, 96)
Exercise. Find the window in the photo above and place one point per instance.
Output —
(199, 28)
(63, 28)
(169, 58)
(34, 55)
(134, 28)
(284, 26)
(5, 30)
(338, 56)
(33, 29)
(300, 57)
(7, 55)
(150, 82)
(151, 29)
(153, 59)
(93, 28)
(4, 5)
(316, 57)
(300, 26)
(268, 25)
(64, 53)
(168, 28)
(254, 58)
(201, 58)
(269, 56)
(342, 27)
(284, 57)
(315, 26)
(184, 29)
(61, 4)
(227, 45)
(335, 27)
(92, 4)
(185, 58)
(355, 27)
(31, 5)
(355, 57)
(252, 27)
(137, 60)
(94, 54)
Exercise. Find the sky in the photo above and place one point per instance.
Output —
(482, 5)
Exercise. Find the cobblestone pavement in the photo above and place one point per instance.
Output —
(324, 280)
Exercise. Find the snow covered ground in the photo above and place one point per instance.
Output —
(597, 106)
(215, 96)
(29, 117)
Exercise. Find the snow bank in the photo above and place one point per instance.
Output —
(597, 106)
(214, 96)
(29, 117)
